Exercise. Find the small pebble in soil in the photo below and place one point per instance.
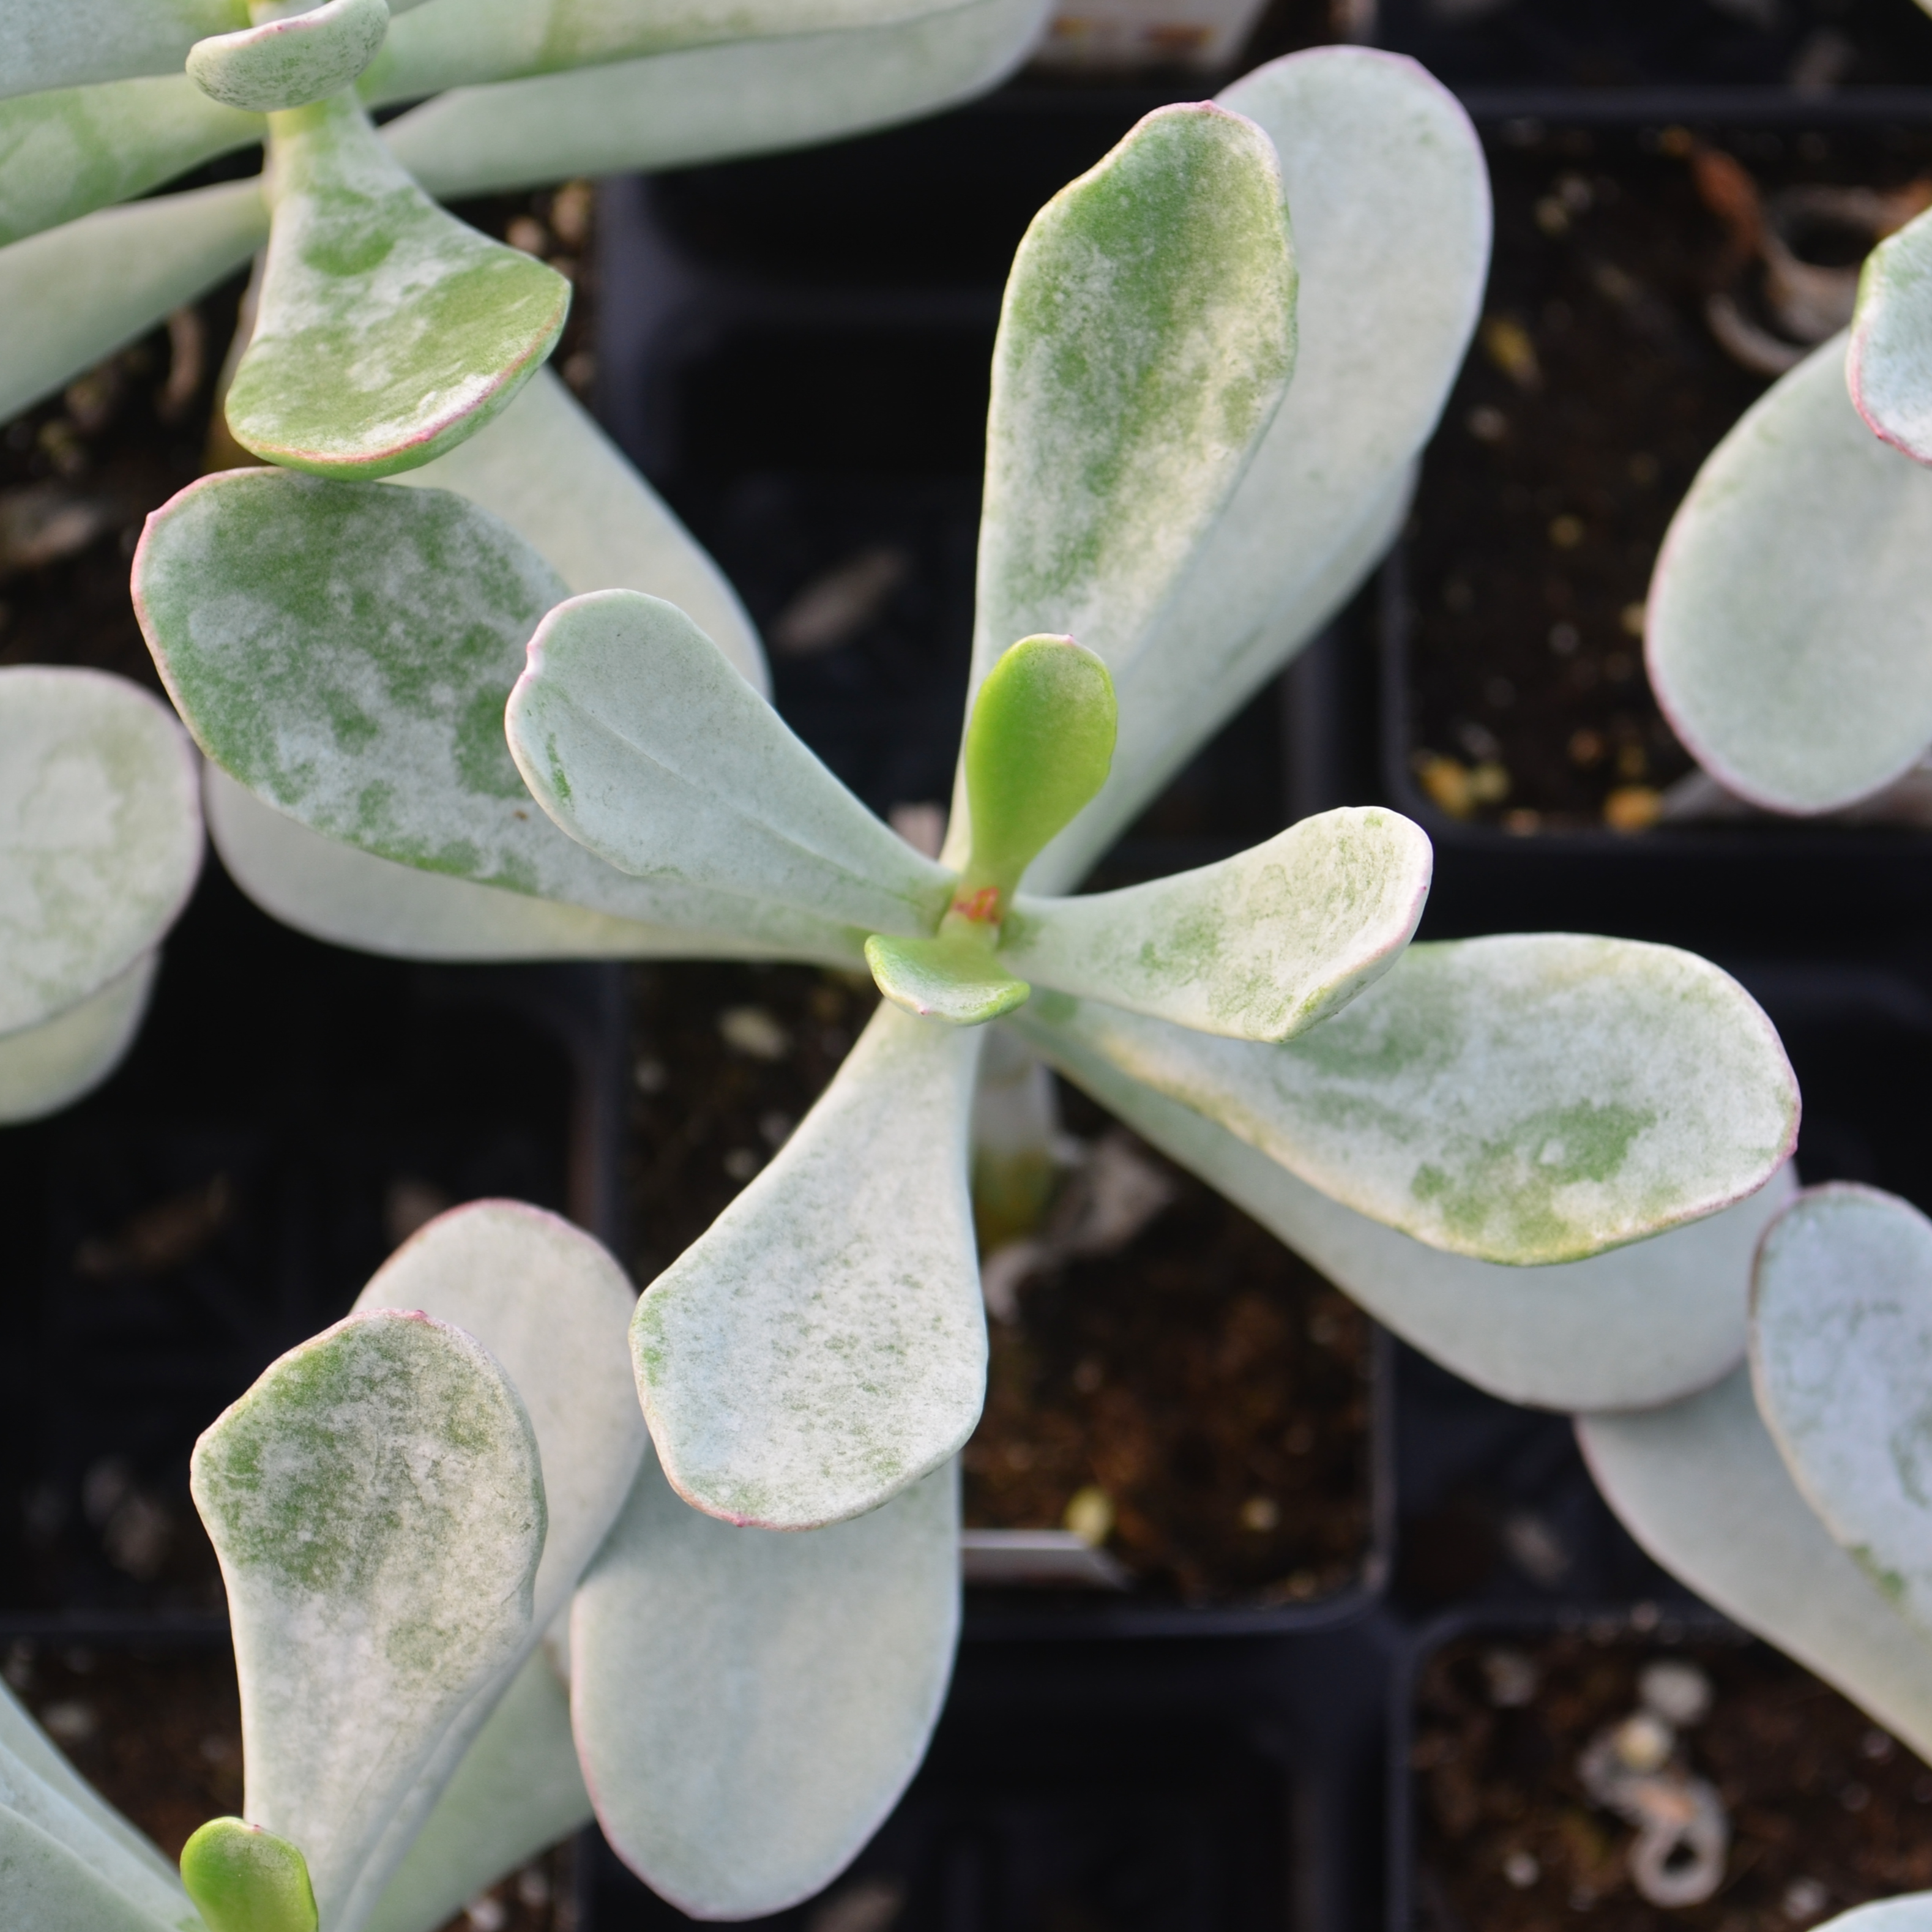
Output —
(754, 1032)
(486, 1914)
(775, 1127)
(1566, 532)
(1089, 1515)
(1630, 620)
(1511, 1679)
(1804, 1898)
(1877, 1745)
(1633, 808)
(1261, 1514)
(533, 1886)
(70, 1722)
(527, 233)
(1486, 424)
(1644, 1742)
(1522, 1870)
(741, 1163)
(1679, 1693)
(1508, 346)
(648, 1075)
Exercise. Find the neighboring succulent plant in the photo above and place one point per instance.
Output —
(385, 331)
(100, 845)
(1513, 1101)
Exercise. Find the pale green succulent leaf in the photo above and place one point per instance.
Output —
(1259, 947)
(637, 735)
(387, 331)
(1910, 1911)
(71, 150)
(955, 979)
(1701, 1486)
(100, 834)
(824, 1344)
(81, 41)
(53, 1888)
(1386, 188)
(1526, 1099)
(363, 693)
(707, 103)
(291, 61)
(243, 1879)
(558, 481)
(377, 1506)
(518, 1790)
(81, 291)
(1786, 635)
(1889, 366)
(46, 1067)
(1641, 1324)
(750, 1705)
(1841, 1314)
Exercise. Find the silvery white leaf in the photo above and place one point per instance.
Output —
(1889, 368)
(1911, 1912)
(750, 1705)
(83, 40)
(43, 1068)
(52, 1888)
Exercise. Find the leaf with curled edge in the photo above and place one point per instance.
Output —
(292, 60)
(751, 1705)
(1262, 947)
(377, 1506)
(822, 1345)
(362, 692)
(1786, 636)
(1889, 366)
(386, 330)
(1526, 1099)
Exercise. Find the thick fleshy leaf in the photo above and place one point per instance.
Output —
(364, 694)
(291, 61)
(705, 104)
(80, 291)
(1889, 368)
(387, 331)
(1257, 947)
(1786, 630)
(1641, 1325)
(377, 1506)
(100, 834)
(44, 1068)
(1389, 198)
(85, 41)
(53, 1889)
(1532, 1098)
(636, 734)
(824, 1344)
(558, 481)
(1910, 1911)
(243, 1879)
(64, 153)
(1701, 1486)
(518, 1790)
(953, 979)
(1841, 1319)
(750, 1705)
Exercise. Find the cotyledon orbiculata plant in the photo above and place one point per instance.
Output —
(404, 1507)
(384, 330)
(1530, 1101)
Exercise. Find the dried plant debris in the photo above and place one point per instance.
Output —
(1611, 1779)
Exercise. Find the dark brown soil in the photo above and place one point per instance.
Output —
(1213, 1385)
(1593, 392)
(158, 1732)
(1826, 1810)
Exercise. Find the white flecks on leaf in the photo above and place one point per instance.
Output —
(291, 60)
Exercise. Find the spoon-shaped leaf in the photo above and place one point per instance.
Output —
(750, 1705)
(1257, 947)
(1532, 1098)
(949, 978)
(1638, 1325)
(243, 1879)
(376, 1503)
(84, 41)
(100, 834)
(1786, 631)
(1889, 367)
(1701, 1486)
(824, 1344)
(291, 62)
(44, 1067)
(363, 694)
(387, 331)
(1841, 1319)
(635, 734)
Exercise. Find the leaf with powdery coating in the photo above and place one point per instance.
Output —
(293, 60)
(1786, 637)
(44, 1068)
(387, 331)
(53, 1889)
(1910, 1911)
(749, 1705)
(1647, 1323)
(377, 1506)
(1702, 1487)
(1841, 1320)
(100, 834)
(85, 41)
(824, 1344)
(1531, 1098)
(635, 734)
(362, 692)
(1889, 368)
(1261, 946)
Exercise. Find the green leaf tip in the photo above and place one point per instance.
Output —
(243, 1879)
(291, 62)
(1038, 747)
(952, 977)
